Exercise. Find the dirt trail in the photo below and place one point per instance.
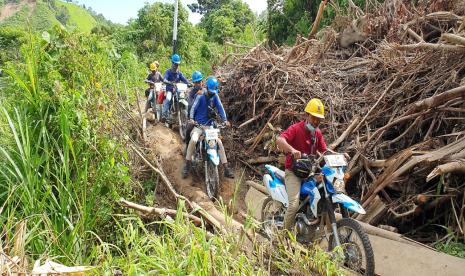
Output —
(167, 145)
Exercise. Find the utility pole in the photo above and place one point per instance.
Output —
(175, 26)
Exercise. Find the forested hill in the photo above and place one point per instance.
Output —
(44, 14)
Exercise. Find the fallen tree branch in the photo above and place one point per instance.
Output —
(437, 100)
(430, 46)
(454, 39)
(376, 104)
(262, 132)
(413, 34)
(261, 160)
(317, 21)
(451, 167)
(161, 212)
(257, 186)
(345, 134)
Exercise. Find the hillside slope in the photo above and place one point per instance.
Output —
(44, 14)
(79, 17)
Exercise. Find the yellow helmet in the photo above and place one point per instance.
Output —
(316, 108)
(154, 66)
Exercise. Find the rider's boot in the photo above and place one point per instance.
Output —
(228, 172)
(186, 169)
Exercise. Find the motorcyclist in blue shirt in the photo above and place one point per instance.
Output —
(172, 75)
(200, 114)
(198, 89)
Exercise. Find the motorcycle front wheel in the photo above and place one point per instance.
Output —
(212, 179)
(182, 121)
(356, 246)
(272, 216)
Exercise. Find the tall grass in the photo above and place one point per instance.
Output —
(177, 247)
(58, 169)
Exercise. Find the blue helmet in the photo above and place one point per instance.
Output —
(197, 76)
(176, 58)
(212, 85)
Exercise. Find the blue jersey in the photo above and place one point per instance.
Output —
(174, 77)
(199, 111)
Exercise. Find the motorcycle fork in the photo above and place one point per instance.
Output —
(331, 217)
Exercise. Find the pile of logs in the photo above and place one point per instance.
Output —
(393, 84)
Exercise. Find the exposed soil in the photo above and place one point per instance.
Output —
(11, 8)
(167, 145)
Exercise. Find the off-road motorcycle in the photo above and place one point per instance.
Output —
(205, 160)
(153, 98)
(322, 191)
(178, 107)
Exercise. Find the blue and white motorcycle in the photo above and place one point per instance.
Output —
(206, 159)
(322, 191)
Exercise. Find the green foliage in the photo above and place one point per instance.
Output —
(79, 18)
(60, 167)
(228, 21)
(11, 39)
(452, 248)
(288, 18)
(177, 247)
(150, 36)
(63, 15)
(452, 245)
(206, 6)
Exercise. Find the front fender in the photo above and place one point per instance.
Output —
(184, 102)
(348, 203)
(214, 156)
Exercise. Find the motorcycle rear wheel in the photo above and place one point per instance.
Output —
(356, 246)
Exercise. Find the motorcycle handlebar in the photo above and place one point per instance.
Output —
(173, 83)
(316, 160)
(219, 126)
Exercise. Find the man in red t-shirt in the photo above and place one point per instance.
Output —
(303, 137)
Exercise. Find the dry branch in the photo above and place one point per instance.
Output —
(161, 212)
(451, 167)
(454, 39)
(257, 186)
(430, 46)
(437, 100)
(409, 99)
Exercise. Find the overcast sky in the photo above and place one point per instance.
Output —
(120, 11)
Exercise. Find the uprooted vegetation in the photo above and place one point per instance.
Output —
(393, 82)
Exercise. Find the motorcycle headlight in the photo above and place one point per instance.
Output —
(339, 186)
(211, 143)
(182, 95)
